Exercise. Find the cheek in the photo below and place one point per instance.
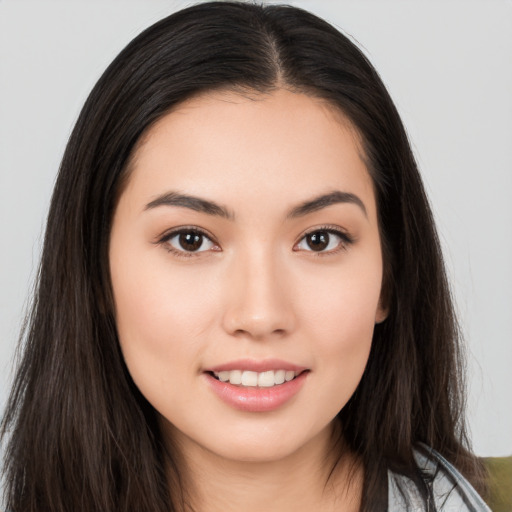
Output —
(161, 316)
(341, 305)
(339, 315)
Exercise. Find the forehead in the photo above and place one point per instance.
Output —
(236, 147)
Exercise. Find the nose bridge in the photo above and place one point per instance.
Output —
(260, 303)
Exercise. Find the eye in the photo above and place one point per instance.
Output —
(188, 241)
(324, 241)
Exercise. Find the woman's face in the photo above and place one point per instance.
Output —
(245, 252)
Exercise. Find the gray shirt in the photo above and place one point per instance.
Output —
(449, 490)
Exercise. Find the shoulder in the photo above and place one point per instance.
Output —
(448, 490)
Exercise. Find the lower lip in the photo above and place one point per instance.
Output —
(256, 399)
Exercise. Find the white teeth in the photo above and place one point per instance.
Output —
(266, 379)
(235, 377)
(279, 376)
(263, 379)
(249, 379)
(289, 375)
(223, 376)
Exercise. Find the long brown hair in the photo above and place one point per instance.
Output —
(81, 436)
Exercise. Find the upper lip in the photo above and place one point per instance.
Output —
(254, 365)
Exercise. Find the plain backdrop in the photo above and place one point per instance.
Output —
(448, 66)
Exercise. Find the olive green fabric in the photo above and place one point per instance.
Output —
(500, 483)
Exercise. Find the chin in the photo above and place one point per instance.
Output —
(260, 452)
(265, 444)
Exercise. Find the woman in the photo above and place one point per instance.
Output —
(242, 300)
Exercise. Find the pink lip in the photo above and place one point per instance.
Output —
(256, 399)
(256, 366)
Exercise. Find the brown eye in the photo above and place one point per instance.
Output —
(318, 241)
(189, 241)
(324, 241)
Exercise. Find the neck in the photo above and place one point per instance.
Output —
(312, 478)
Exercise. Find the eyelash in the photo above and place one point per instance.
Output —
(345, 240)
(164, 240)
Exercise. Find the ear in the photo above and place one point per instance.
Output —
(383, 306)
(381, 313)
(385, 298)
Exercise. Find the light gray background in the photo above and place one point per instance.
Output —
(447, 64)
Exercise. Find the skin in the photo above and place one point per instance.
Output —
(256, 291)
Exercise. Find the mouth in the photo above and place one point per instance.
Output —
(252, 379)
(253, 391)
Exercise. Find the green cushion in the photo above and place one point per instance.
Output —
(500, 483)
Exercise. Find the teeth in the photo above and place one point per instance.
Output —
(263, 380)
(223, 376)
(289, 375)
(249, 379)
(279, 376)
(266, 379)
(235, 377)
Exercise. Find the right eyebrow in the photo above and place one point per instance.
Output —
(191, 202)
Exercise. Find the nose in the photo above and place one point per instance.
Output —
(260, 299)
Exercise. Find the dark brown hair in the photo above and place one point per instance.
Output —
(82, 437)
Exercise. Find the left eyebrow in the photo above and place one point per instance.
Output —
(325, 200)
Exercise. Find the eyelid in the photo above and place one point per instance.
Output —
(346, 238)
(164, 238)
(169, 233)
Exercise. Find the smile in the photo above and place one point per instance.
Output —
(248, 378)
(252, 391)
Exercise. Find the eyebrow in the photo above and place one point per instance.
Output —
(211, 208)
(191, 202)
(325, 200)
